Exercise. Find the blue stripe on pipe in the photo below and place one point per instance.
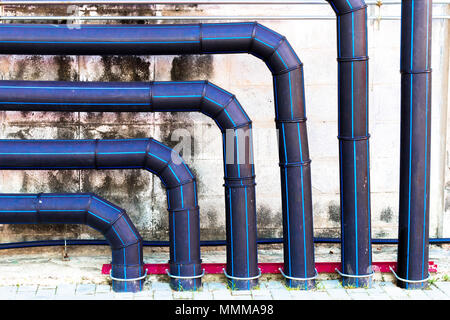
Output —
(303, 201)
(94, 197)
(228, 115)
(276, 95)
(174, 174)
(339, 35)
(265, 43)
(426, 145)
(356, 212)
(62, 210)
(231, 235)
(351, 8)
(97, 27)
(100, 42)
(42, 153)
(74, 88)
(125, 152)
(224, 154)
(284, 63)
(180, 96)
(237, 153)
(215, 102)
(189, 236)
(17, 211)
(287, 205)
(124, 257)
(226, 38)
(342, 206)
(162, 145)
(98, 217)
(410, 143)
(75, 103)
(332, 4)
(195, 193)
(290, 95)
(246, 235)
(155, 156)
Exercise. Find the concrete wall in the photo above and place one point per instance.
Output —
(142, 195)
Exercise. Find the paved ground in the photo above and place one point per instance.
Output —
(41, 273)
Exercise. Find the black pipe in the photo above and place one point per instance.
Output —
(415, 68)
(161, 243)
(200, 96)
(212, 38)
(89, 209)
(353, 135)
(149, 154)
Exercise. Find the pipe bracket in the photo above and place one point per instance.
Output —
(353, 275)
(409, 281)
(239, 278)
(126, 280)
(299, 279)
(185, 277)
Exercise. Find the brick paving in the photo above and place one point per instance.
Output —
(269, 290)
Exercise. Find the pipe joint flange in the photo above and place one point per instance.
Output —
(241, 278)
(357, 138)
(413, 71)
(239, 126)
(128, 279)
(241, 182)
(182, 183)
(409, 281)
(294, 164)
(293, 120)
(341, 13)
(352, 59)
(354, 275)
(299, 279)
(279, 73)
(185, 277)
(186, 209)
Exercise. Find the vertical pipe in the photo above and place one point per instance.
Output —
(353, 135)
(415, 68)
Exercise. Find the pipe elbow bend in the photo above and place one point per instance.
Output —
(342, 7)
(112, 221)
(224, 108)
(274, 49)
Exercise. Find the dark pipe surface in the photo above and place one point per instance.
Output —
(206, 243)
(88, 209)
(353, 135)
(415, 68)
(200, 96)
(211, 38)
(147, 154)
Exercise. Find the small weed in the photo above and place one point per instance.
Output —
(446, 277)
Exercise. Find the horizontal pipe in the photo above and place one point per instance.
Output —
(182, 96)
(86, 209)
(147, 154)
(198, 18)
(205, 243)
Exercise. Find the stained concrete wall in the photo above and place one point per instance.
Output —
(142, 195)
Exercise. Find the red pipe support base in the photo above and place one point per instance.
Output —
(322, 267)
